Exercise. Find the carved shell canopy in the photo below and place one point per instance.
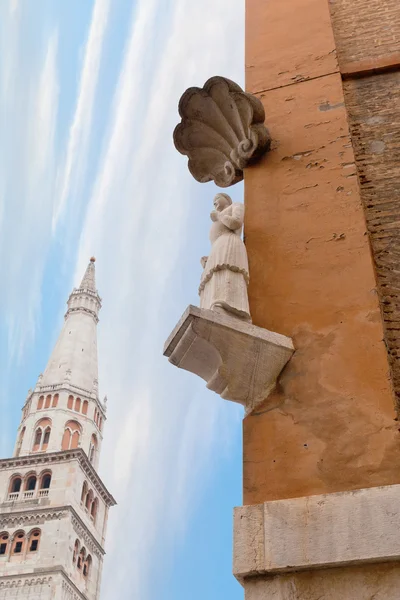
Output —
(222, 131)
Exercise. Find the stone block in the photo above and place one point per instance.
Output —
(314, 532)
(239, 361)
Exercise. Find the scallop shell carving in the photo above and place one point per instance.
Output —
(222, 131)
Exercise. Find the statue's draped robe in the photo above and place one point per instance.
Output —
(226, 274)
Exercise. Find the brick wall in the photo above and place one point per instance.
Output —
(367, 34)
(329, 425)
(374, 115)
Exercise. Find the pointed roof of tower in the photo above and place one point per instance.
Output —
(73, 361)
(89, 278)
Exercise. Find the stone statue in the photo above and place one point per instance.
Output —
(223, 286)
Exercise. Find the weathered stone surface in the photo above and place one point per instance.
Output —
(367, 582)
(249, 545)
(312, 532)
(222, 131)
(239, 361)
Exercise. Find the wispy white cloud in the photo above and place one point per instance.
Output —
(71, 171)
(28, 113)
(142, 224)
(162, 428)
(26, 182)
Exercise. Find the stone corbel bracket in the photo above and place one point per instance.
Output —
(222, 131)
(239, 361)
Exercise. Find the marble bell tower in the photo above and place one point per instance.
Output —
(53, 504)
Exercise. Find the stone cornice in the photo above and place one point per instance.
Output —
(34, 516)
(41, 577)
(64, 455)
(82, 309)
(31, 517)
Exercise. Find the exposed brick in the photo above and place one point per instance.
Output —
(367, 33)
(374, 117)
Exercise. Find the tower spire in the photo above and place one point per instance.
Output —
(89, 278)
(74, 358)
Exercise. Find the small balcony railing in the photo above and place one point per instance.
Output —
(28, 495)
(12, 497)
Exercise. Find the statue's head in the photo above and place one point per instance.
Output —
(222, 201)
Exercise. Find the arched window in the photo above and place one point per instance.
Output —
(85, 407)
(93, 510)
(30, 483)
(78, 405)
(40, 403)
(42, 435)
(84, 492)
(55, 400)
(101, 423)
(38, 439)
(93, 448)
(70, 402)
(75, 440)
(25, 411)
(81, 558)
(34, 540)
(48, 401)
(20, 440)
(18, 543)
(95, 416)
(15, 484)
(46, 438)
(66, 441)
(71, 436)
(45, 481)
(76, 550)
(86, 566)
(89, 500)
(4, 539)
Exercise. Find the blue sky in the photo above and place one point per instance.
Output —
(88, 103)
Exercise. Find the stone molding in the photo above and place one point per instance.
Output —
(329, 530)
(30, 518)
(222, 131)
(64, 455)
(37, 517)
(21, 581)
(239, 361)
(70, 592)
(31, 579)
(84, 310)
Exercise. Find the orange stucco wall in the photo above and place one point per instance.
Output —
(330, 425)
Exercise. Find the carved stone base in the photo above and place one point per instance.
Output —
(337, 546)
(239, 361)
